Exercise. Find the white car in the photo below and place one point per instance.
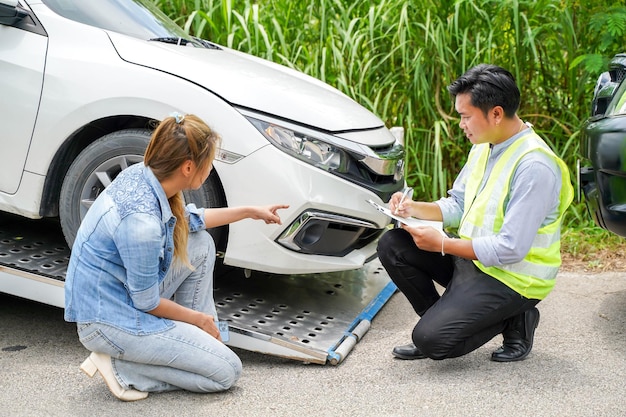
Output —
(82, 83)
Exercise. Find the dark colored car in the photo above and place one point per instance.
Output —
(602, 173)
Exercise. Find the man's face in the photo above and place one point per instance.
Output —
(477, 127)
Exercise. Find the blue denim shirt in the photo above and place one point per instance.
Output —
(122, 252)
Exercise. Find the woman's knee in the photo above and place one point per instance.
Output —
(226, 375)
(234, 372)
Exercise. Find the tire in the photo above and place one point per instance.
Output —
(98, 165)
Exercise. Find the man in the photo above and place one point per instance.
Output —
(507, 202)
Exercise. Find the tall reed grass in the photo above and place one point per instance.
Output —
(396, 58)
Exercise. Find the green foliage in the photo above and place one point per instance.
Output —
(606, 32)
(610, 25)
(396, 58)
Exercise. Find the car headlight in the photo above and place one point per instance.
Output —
(379, 169)
(312, 150)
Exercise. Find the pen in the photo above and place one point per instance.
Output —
(407, 191)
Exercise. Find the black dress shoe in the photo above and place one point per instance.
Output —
(518, 337)
(408, 352)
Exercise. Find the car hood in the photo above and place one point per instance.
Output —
(254, 83)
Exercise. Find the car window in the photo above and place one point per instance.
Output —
(137, 18)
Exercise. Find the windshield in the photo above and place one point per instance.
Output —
(137, 18)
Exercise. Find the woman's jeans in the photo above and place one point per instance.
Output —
(470, 312)
(184, 357)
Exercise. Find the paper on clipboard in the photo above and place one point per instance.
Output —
(409, 221)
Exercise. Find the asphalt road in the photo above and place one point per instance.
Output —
(577, 368)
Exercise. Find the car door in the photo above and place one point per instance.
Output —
(23, 45)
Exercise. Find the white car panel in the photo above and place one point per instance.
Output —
(26, 201)
(253, 83)
(22, 60)
(123, 88)
(281, 178)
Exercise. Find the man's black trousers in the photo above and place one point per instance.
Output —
(471, 310)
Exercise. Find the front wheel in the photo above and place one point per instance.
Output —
(98, 165)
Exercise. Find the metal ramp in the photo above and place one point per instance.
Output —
(316, 318)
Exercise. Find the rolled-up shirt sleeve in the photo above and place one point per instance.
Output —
(139, 240)
(196, 217)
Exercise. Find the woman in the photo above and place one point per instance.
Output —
(139, 283)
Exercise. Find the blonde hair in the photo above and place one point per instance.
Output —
(178, 139)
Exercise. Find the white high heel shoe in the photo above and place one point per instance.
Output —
(99, 362)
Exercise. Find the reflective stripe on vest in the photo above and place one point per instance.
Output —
(533, 277)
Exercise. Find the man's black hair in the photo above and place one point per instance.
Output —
(488, 86)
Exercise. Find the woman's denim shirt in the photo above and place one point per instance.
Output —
(122, 252)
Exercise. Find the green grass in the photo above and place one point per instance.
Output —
(592, 248)
(584, 242)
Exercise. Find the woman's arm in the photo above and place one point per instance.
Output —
(168, 309)
(214, 217)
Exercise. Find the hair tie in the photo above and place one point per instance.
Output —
(178, 117)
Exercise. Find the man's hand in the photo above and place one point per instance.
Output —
(425, 237)
(430, 239)
(402, 210)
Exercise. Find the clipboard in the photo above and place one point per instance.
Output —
(410, 221)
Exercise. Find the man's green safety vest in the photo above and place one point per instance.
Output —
(532, 277)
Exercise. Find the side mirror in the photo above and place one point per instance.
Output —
(11, 13)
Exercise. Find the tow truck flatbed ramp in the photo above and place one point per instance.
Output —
(316, 318)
